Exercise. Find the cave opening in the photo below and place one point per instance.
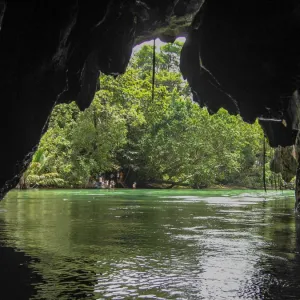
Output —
(129, 138)
(135, 243)
(228, 62)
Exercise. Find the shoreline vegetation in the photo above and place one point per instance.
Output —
(214, 188)
(161, 142)
(289, 186)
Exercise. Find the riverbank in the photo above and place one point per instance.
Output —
(163, 187)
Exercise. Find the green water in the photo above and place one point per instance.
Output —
(149, 244)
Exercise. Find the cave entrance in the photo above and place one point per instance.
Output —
(128, 138)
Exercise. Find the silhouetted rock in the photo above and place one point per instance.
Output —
(243, 56)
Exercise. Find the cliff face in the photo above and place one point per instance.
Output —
(241, 56)
(285, 162)
(249, 62)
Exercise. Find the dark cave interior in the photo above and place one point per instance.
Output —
(243, 56)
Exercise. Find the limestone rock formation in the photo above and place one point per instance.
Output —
(285, 162)
(53, 51)
(243, 56)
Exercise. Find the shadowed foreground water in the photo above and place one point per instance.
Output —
(149, 244)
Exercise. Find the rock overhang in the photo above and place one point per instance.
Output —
(240, 56)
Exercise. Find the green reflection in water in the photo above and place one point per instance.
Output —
(125, 244)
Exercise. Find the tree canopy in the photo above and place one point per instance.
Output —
(169, 139)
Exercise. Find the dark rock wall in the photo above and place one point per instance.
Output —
(285, 162)
(244, 56)
(53, 51)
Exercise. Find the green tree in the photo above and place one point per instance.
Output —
(165, 139)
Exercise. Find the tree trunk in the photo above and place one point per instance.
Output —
(297, 189)
(297, 184)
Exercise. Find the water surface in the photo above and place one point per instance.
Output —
(149, 244)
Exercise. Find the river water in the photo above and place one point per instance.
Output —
(149, 244)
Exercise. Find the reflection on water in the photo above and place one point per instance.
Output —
(150, 245)
(17, 279)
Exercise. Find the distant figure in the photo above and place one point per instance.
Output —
(107, 184)
(100, 182)
(134, 185)
(112, 184)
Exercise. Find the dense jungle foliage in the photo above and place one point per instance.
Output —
(168, 140)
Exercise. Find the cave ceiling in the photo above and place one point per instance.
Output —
(240, 55)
